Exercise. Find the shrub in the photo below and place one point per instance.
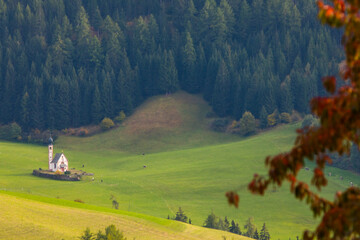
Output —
(83, 132)
(120, 118)
(285, 117)
(58, 172)
(67, 172)
(106, 124)
(247, 124)
(10, 132)
(111, 232)
(41, 137)
(273, 118)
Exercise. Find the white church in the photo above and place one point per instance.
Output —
(59, 163)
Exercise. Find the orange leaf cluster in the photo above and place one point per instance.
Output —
(339, 116)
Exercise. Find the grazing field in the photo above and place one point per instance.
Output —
(187, 166)
(68, 220)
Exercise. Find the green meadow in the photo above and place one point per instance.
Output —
(46, 218)
(187, 166)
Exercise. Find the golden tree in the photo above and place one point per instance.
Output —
(339, 116)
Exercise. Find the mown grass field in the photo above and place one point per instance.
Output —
(188, 166)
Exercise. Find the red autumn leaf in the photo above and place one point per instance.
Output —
(329, 84)
(233, 198)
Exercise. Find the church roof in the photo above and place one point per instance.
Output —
(57, 158)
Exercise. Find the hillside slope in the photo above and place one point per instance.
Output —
(62, 222)
(162, 123)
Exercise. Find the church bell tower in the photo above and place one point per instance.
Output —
(51, 149)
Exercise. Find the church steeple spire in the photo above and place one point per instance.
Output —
(51, 149)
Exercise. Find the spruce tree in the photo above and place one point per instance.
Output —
(229, 16)
(168, 75)
(264, 233)
(62, 103)
(96, 109)
(189, 80)
(221, 99)
(250, 228)
(263, 117)
(25, 111)
(180, 216)
(74, 99)
(107, 95)
(210, 221)
(226, 224)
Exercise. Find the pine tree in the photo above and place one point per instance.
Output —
(256, 235)
(168, 76)
(243, 20)
(82, 29)
(25, 113)
(264, 233)
(221, 98)
(250, 228)
(74, 100)
(189, 81)
(263, 117)
(226, 224)
(123, 93)
(211, 74)
(232, 226)
(229, 16)
(62, 103)
(107, 95)
(87, 235)
(286, 100)
(180, 216)
(96, 109)
(50, 107)
(201, 64)
(210, 221)
(8, 94)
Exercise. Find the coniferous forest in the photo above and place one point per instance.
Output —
(66, 63)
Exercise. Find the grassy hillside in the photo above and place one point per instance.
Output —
(163, 123)
(67, 220)
(176, 174)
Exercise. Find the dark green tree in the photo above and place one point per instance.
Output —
(96, 109)
(168, 75)
(107, 95)
(210, 221)
(189, 80)
(87, 235)
(263, 117)
(62, 103)
(226, 224)
(25, 110)
(250, 228)
(181, 216)
(221, 98)
(234, 228)
(264, 233)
